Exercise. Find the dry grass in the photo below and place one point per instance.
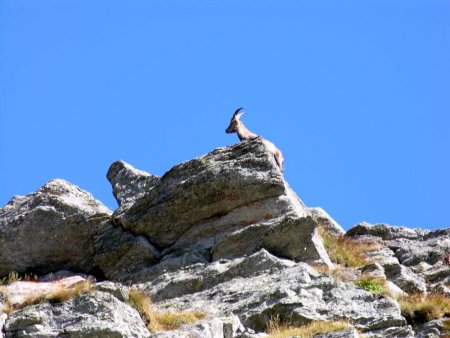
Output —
(446, 326)
(161, 320)
(417, 309)
(59, 295)
(14, 276)
(344, 250)
(276, 330)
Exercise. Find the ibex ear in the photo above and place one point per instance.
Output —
(238, 113)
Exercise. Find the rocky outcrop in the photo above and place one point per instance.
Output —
(223, 234)
(50, 229)
(230, 202)
(128, 183)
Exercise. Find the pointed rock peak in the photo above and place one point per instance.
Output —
(128, 183)
(326, 221)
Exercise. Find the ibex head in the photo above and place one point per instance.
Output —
(234, 123)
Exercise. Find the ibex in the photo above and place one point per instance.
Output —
(236, 126)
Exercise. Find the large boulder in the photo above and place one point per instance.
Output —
(50, 229)
(231, 202)
(97, 314)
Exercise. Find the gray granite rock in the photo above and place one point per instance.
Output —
(261, 286)
(50, 229)
(405, 279)
(3, 317)
(118, 253)
(326, 221)
(383, 231)
(391, 332)
(119, 291)
(96, 314)
(233, 201)
(209, 328)
(432, 248)
(129, 183)
(349, 333)
(433, 329)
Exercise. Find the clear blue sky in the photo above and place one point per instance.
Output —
(355, 93)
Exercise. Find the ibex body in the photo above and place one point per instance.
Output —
(236, 126)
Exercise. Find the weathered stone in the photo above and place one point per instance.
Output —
(382, 256)
(326, 222)
(119, 253)
(3, 317)
(290, 237)
(373, 270)
(441, 289)
(405, 279)
(96, 314)
(129, 183)
(50, 229)
(292, 291)
(210, 328)
(232, 327)
(170, 263)
(209, 202)
(391, 332)
(200, 277)
(349, 333)
(394, 290)
(117, 290)
(433, 329)
(204, 188)
(432, 249)
(383, 231)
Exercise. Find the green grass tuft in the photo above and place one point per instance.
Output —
(373, 285)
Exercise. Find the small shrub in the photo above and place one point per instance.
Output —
(344, 250)
(276, 330)
(417, 309)
(161, 320)
(370, 284)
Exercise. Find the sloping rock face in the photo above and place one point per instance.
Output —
(120, 253)
(417, 261)
(50, 229)
(228, 203)
(262, 286)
